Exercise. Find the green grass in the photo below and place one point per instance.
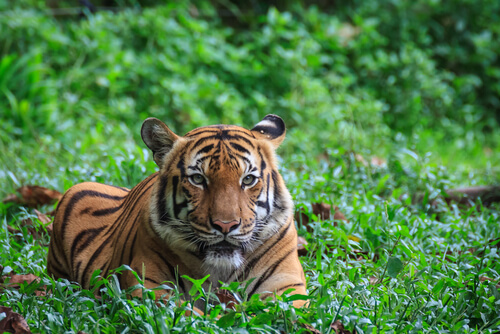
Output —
(439, 287)
(73, 94)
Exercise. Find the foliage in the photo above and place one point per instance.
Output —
(413, 83)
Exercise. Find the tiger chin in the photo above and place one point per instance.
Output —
(217, 206)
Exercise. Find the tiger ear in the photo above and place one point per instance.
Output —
(271, 128)
(158, 137)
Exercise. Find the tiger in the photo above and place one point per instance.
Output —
(217, 206)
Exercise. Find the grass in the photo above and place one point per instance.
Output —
(395, 266)
(445, 252)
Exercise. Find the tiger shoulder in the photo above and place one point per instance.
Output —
(217, 206)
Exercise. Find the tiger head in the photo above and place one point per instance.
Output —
(219, 194)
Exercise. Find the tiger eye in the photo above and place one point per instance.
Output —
(248, 180)
(197, 178)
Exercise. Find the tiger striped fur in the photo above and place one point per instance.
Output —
(217, 206)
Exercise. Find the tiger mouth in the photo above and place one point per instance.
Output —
(222, 247)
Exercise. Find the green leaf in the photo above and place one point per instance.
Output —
(227, 320)
(437, 288)
(297, 297)
(262, 318)
(394, 266)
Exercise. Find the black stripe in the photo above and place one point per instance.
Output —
(267, 194)
(123, 225)
(200, 230)
(200, 132)
(216, 129)
(175, 183)
(289, 286)
(172, 271)
(181, 283)
(121, 222)
(186, 192)
(262, 163)
(130, 202)
(86, 236)
(264, 205)
(78, 197)
(53, 252)
(131, 230)
(170, 268)
(206, 149)
(161, 203)
(277, 191)
(94, 256)
(270, 271)
(121, 188)
(249, 266)
(177, 206)
(75, 274)
(152, 281)
(57, 271)
(108, 211)
(132, 247)
(200, 141)
(85, 211)
(223, 136)
(181, 165)
(239, 148)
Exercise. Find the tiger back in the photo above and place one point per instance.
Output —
(217, 206)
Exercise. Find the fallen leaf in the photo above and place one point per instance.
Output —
(49, 229)
(468, 196)
(322, 211)
(347, 32)
(301, 249)
(484, 279)
(373, 280)
(358, 254)
(51, 213)
(376, 161)
(10, 229)
(43, 218)
(227, 298)
(338, 328)
(13, 322)
(359, 158)
(14, 281)
(34, 196)
(338, 215)
(353, 238)
(310, 329)
(30, 226)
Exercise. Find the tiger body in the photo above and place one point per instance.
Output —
(217, 206)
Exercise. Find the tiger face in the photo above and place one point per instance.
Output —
(219, 194)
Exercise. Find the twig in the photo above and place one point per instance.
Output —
(387, 264)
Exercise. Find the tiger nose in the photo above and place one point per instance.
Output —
(225, 227)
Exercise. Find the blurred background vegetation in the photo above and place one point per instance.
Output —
(77, 78)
